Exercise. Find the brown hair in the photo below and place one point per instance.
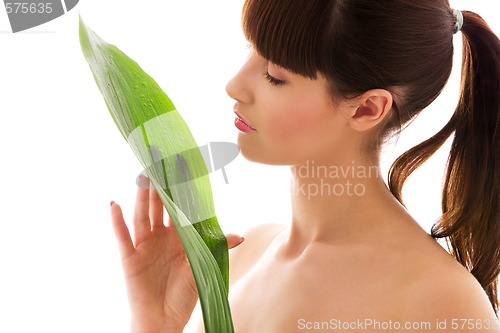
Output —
(405, 47)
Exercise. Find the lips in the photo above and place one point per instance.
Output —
(242, 125)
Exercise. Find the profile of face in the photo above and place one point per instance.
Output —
(290, 118)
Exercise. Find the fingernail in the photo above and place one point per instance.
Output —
(241, 240)
(142, 181)
(111, 203)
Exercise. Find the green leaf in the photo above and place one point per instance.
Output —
(164, 145)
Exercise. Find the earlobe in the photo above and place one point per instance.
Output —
(373, 107)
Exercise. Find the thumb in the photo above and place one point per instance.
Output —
(234, 240)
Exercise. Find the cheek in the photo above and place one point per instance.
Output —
(295, 121)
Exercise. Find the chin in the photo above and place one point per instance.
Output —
(253, 155)
(255, 151)
(259, 155)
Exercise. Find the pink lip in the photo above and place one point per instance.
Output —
(240, 123)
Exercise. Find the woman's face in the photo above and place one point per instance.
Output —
(285, 118)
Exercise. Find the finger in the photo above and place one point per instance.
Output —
(142, 227)
(170, 223)
(142, 180)
(234, 240)
(155, 209)
(120, 229)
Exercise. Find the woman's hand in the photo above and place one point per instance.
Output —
(160, 285)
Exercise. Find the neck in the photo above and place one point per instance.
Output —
(339, 203)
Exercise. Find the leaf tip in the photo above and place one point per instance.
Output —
(82, 32)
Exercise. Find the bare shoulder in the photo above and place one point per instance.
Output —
(454, 293)
(446, 290)
(257, 239)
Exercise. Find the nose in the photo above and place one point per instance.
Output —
(239, 87)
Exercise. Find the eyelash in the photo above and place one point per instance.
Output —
(274, 81)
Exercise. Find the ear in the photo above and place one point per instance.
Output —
(371, 108)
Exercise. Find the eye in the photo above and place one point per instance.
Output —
(274, 81)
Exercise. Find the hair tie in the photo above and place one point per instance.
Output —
(459, 20)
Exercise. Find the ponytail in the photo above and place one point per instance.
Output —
(471, 192)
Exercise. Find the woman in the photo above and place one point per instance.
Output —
(326, 82)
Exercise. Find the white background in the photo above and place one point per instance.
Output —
(63, 160)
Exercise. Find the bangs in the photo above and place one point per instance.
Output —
(289, 33)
